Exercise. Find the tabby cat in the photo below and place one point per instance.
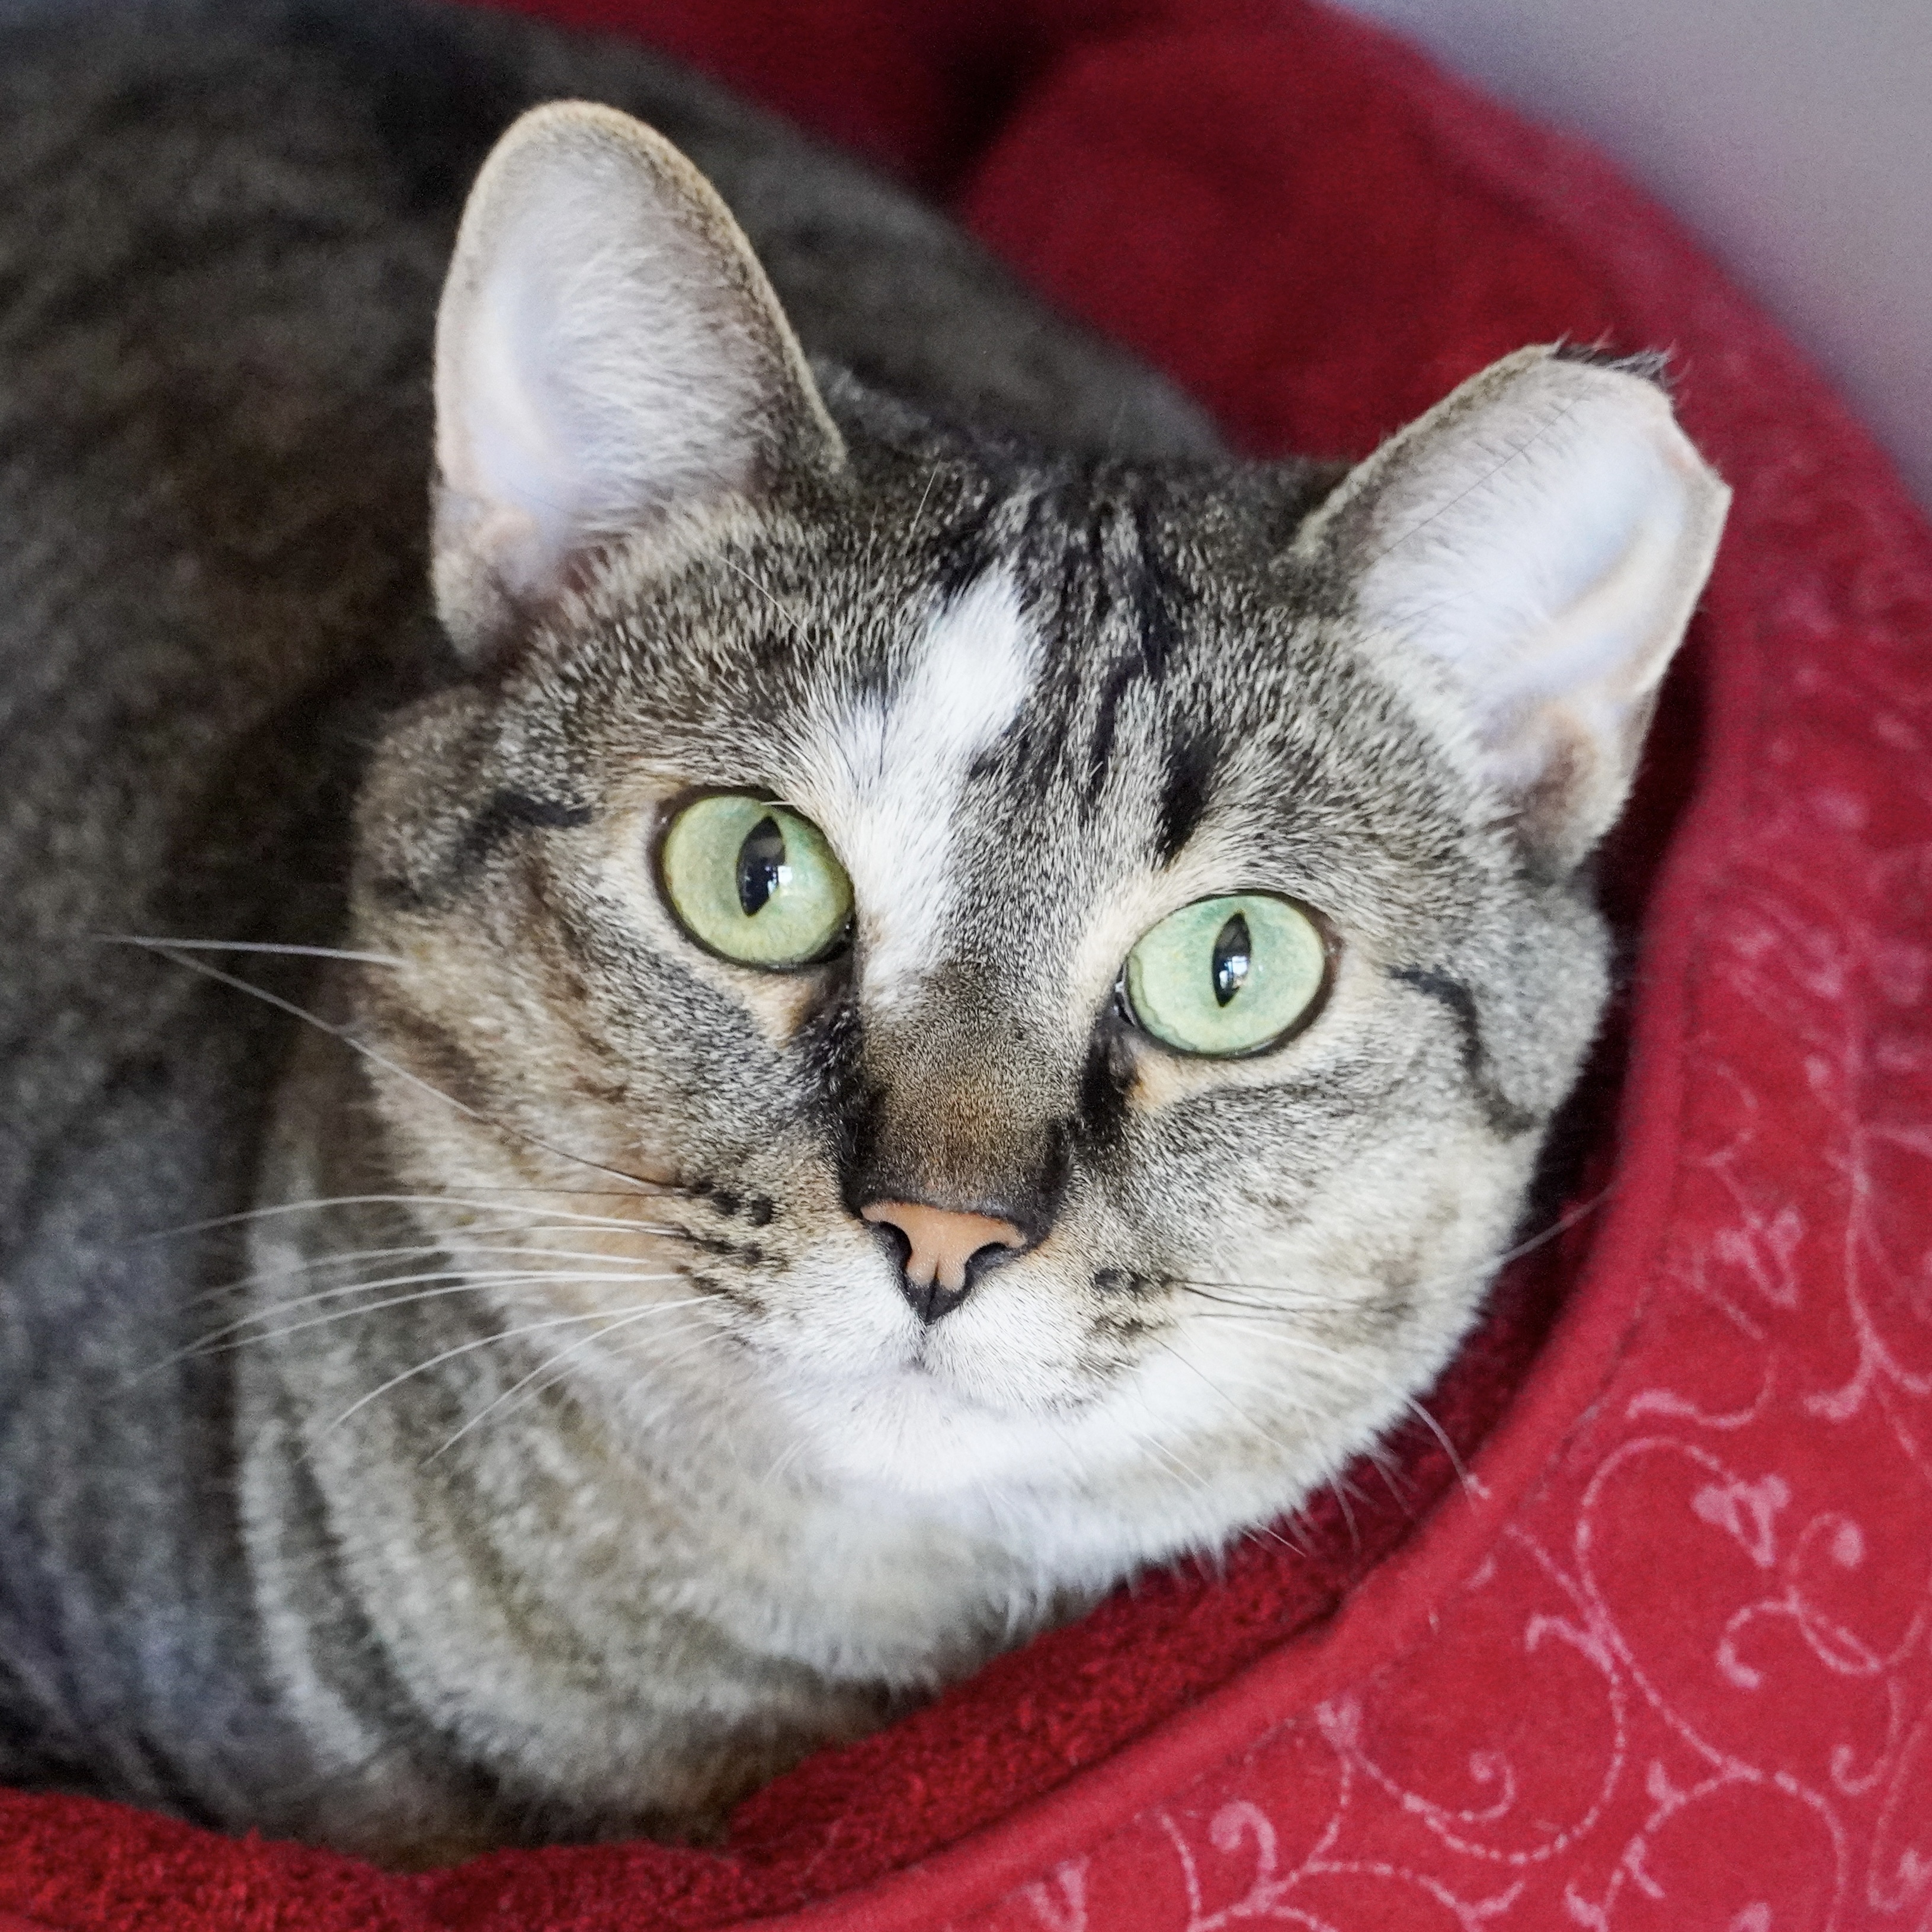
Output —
(920, 991)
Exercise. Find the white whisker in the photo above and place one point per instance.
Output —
(471, 1346)
(785, 1459)
(1283, 1297)
(1359, 1368)
(1215, 1388)
(769, 597)
(286, 1304)
(550, 1362)
(164, 944)
(320, 1202)
(469, 1284)
(456, 1250)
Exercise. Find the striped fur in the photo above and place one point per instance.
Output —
(568, 1460)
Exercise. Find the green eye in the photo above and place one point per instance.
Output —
(754, 882)
(1227, 976)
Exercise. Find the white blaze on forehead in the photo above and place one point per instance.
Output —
(886, 781)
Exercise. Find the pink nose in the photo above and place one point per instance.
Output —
(940, 1243)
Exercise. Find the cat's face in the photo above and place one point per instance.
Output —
(1083, 985)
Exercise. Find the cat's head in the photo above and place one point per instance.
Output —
(1084, 953)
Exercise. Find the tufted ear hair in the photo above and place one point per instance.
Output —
(607, 350)
(1543, 536)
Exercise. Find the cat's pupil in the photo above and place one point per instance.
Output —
(1233, 954)
(761, 865)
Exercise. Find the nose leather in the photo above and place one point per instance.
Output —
(941, 1241)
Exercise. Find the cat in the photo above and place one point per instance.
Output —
(917, 992)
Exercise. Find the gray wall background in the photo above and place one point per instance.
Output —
(1794, 137)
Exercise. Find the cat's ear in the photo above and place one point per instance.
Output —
(607, 350)
(1543, 534)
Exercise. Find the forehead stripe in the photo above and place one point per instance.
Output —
(886, 788)
(1186, 786)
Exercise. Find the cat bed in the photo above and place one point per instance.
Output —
(1638, 1634)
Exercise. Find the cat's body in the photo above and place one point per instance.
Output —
(383, 1572)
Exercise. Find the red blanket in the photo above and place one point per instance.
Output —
(1653, 1648)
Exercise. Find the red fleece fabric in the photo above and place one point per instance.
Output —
(1654, 1649)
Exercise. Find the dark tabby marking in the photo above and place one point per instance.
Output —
(1502, 1112)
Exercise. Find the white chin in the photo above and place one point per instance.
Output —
(912, 1431)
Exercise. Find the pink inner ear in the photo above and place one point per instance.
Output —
(606, 346)
(1543, 536)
